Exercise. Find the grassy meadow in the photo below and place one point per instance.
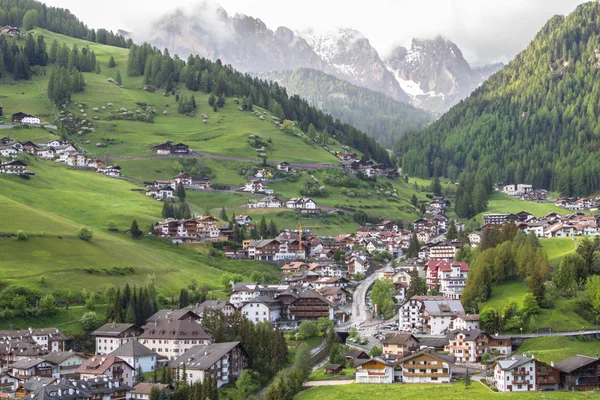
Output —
(501, 203)
(561, 317)
(225, 132)
(55, 203)
(456, 391)
(558, 348)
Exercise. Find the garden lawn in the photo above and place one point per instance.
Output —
(558, 348)
(456, 391)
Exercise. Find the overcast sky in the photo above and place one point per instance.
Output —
(485, 30)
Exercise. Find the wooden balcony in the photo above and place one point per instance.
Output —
(520, 382)
(424, 374)
(520, 373)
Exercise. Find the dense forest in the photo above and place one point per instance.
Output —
(161, 70)
(374, 113)
(536, 121)
(30, 13)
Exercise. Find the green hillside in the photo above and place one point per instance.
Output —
(55, 203)
(374, 113)
(225, 133)
(536, 121)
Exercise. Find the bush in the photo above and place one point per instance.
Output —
(21, 236)
(89, 322)
(308, 329)
(48, 305)
(85, 234)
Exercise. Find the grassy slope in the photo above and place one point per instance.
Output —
(557, 248)
(225, 133)
(561, 317)
(455, 391)
(57, 201)
(501, 203)
(65, 320)
(557, 348)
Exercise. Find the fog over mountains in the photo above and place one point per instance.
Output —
(431, 74)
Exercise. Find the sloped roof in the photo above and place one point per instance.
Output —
(133, 348)
(112, 329)
(514, 362)
(397, 338)
(203, 357)
(575, 362)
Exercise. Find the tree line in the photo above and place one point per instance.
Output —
(162, 70)
(506, 253)
(30, 13)
(536, 121)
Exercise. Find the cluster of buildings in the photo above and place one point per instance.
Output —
(62, 152)
(194, 230)
(577, 204)
(406, 359)
(20, 117)
(306, 205)
(285, 305)
(367, 168)
(164, 190)
(548, 226)
(10, 30)
(524, 192)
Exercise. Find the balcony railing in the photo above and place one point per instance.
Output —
(424, 374)
(520, 382)
(520, 373)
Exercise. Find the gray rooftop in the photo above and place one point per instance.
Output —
(133, 348)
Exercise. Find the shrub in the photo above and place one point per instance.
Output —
(85, 234)
(21, 236)
(89, 322)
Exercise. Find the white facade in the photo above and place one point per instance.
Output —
(515, 379)
(465, 323)
(107, 344)
(148, 363)
(257, 311)
(411, 316)
(378, 373)
(31, 121)
(8, 152)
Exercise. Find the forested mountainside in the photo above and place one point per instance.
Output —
(374, 113)
(163, 71)
(536, 121)
(30, 13)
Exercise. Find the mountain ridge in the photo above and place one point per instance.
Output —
(535, 121)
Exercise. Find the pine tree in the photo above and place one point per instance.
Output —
(139, 375)
(184, 298)
(111, 62)
(98, 69)
(263, 229)
(166, 210)
(414, 201)
(135, 230)
(272, 229)
(467, 380)
(180, 191)
(224, 216)
(118, 78)
(452, 233)
(413, 247)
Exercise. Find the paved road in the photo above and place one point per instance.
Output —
(360, 314)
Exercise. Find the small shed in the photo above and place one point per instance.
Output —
(333, 369)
